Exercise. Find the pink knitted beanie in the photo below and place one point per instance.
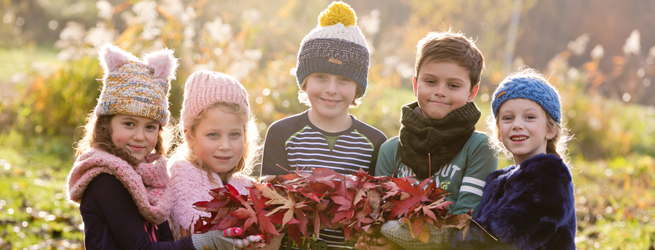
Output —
(136, 87)
(204, 88)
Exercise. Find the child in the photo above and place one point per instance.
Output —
(220, 139)
(529, 205)
(120, 184)
(332, 70)
(437, 137)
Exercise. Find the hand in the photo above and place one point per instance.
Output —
(215, 240)
(369, 241)
(252, 241)
(372, 243)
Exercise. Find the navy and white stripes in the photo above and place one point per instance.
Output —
(309, 148)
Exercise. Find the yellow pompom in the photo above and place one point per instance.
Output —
(337, 12)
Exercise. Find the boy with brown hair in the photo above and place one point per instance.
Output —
(437, 136)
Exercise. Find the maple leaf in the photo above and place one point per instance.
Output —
(288, 203)
(265, 225)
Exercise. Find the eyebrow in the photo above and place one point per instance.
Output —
(130, 118)
(449, 79)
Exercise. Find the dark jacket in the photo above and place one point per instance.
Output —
(526, 207)
(112, 220)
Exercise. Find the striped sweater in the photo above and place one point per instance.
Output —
(295, 142)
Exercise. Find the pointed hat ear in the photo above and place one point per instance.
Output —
(112, 57)
(163, 63)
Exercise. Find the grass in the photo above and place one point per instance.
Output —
(33, 209)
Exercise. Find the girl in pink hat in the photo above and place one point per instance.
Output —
(220, 141)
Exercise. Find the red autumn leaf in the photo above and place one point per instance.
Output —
(249, 215)
(265, 225)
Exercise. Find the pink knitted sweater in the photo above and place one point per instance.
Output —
(147, 183)
(189, 185)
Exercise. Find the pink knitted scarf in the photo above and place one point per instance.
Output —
(147, 183)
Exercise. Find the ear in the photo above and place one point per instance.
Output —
(163, 63)
(472, 93)
(550, 134)
(111, 57)
(414, 86)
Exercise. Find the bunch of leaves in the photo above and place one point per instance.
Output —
(417, 204)
(307, 200)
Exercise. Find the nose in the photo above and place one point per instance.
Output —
(517, 125)
(224, 144)
(139, 135)
(331, 87)
(440, 90)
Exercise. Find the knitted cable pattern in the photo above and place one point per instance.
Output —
(189, 185)
(533, 89)
(147, 182)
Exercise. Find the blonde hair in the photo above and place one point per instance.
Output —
(185, 150)
(97, 134)
(302, 95)
(555, 145)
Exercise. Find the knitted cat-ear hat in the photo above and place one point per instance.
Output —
(531, 88)
(336, 46)
(136, 87)
(204, 88)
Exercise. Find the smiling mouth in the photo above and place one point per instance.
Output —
(329, 101)
(518, 138)
(135, 148)
(439, 103)
(224, 158)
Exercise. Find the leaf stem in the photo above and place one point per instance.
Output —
(476, 223)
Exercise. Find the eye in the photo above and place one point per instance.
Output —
(128, 124)
(430, 81)
(235, 135)
(320, 76)
(212, 135)
(151, 127)
(453, 85)
(345, 79)
(507, 118)
(530, 117)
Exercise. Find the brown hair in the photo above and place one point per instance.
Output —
(302, 95)
(250, 146)
(97, 134)
(450, 47)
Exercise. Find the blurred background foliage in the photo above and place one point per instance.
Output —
(598, 53)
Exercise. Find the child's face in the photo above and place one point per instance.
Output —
(330, 95)
(442, 87)
(137, 135)
(523, 128)
(219, 140)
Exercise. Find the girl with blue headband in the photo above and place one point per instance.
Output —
(529, 205)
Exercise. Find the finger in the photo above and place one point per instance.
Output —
(232, 232)
(182, 232)
(255, 238)
(242, 243)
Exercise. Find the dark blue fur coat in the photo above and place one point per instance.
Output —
(526, 207)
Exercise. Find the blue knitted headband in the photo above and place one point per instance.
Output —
(530, 88)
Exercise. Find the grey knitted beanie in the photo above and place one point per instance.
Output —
(336, 46)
